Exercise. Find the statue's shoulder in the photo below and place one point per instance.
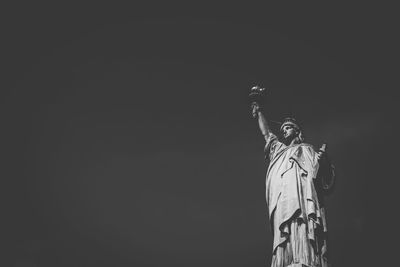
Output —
(308, 147)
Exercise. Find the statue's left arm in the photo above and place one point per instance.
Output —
(326, 171)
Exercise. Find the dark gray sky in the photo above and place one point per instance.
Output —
(127, 138)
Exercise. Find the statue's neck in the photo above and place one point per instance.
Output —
(292, 142)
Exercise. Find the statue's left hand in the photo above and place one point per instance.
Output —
(321, 154)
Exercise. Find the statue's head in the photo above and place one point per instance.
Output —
(291, 130)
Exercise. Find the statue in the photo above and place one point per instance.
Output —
(297, 178)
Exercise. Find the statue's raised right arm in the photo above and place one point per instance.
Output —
(262, 121)
(256, 95)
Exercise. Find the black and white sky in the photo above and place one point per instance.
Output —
(127, 137)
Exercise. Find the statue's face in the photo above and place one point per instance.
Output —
(289, 132)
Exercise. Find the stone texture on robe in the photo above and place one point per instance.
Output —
(292, 196)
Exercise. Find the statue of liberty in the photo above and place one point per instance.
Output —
(297, 178)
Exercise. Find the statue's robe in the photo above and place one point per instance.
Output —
(294, 189)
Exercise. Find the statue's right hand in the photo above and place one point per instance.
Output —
(254, 109)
